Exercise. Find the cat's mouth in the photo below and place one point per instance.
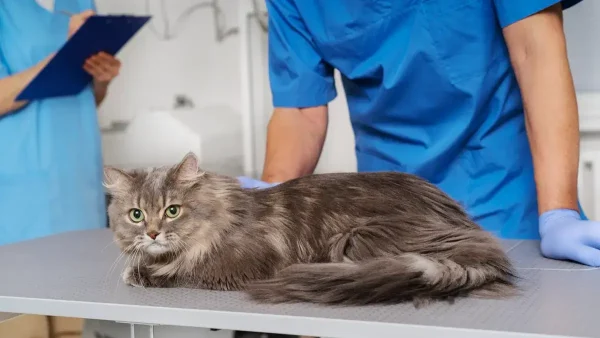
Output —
(155, 248)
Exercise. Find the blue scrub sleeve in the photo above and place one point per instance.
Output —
(511, 11)
(298, 76)
(3, 67)
(85, 5)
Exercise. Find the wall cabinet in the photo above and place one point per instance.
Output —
(589, 163)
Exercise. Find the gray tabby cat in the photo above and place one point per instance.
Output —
(346, 238)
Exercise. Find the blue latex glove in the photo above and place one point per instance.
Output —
(250, 183)
(565, 236)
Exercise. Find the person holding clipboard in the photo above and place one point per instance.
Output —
(50, 149)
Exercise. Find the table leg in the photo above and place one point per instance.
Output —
(132, 331)
(111, 329)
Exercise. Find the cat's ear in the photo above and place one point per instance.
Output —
(187, 169)
(116, 179)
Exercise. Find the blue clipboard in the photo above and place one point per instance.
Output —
(64, 74)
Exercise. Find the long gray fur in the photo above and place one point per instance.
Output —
(343, 238)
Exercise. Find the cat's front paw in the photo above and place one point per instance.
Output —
(135, 277)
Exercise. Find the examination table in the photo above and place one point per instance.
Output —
(73, 275)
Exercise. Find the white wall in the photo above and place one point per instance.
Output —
(207, 71)
(582, 27)
(193, 64)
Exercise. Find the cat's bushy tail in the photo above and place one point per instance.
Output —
(395, 279)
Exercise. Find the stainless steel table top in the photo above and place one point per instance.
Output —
(73, 275)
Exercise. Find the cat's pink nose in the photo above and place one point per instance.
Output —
(153, 234)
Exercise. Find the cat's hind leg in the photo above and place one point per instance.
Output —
(364, 242)
(393, 260)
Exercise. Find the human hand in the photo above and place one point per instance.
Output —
(103, 67)
(77, 20)
(566, 236)
(250, 183)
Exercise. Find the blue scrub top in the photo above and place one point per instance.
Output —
(430, 90)
(50, 155)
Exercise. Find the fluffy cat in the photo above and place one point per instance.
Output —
(344, 238)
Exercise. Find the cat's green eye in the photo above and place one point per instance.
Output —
(173, 211)
(136, 215)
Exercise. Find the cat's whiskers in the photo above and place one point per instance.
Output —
(113, 266)
(129, 252)
(185, 251)
(186, 247)
(139, 256)
(181, 245)
(116, 262)
(114, 241)
(121, 255)
(171, 251)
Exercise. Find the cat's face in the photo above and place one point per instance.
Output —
(153, 211)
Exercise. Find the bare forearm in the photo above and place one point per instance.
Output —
(11, 86)
(540, 60)
(295, 140)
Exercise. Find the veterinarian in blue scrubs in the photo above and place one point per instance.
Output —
(50, 155)
(474, 96)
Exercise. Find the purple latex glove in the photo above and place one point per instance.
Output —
(566, 236)
(250, 183)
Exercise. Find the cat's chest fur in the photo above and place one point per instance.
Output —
(227, 266)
